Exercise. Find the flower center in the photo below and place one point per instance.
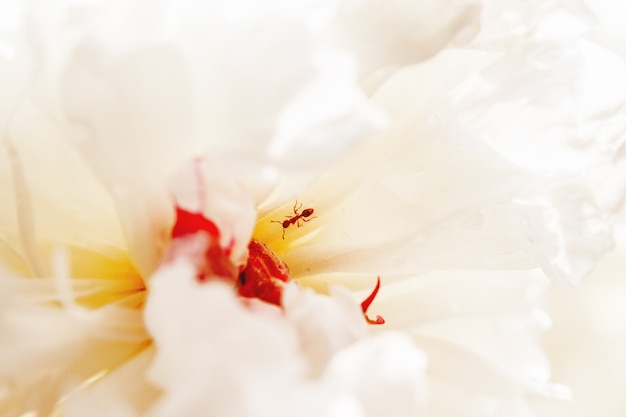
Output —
(196, 238)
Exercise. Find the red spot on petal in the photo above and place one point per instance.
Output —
(196, 238)
(366, 304)
(189, 223)
(264, 274)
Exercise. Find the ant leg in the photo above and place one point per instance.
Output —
(281, 223)
(295, 210)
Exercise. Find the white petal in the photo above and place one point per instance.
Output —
(229, 360)
(324, 324)
(122, 392)
(587, 342)
(479, 332)
(207, 342)
(384, 374)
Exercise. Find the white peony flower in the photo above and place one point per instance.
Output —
(180, 176)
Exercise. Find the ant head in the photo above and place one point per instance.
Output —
(307, 212)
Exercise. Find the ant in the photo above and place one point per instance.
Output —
(295, 219)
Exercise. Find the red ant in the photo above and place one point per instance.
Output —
(295, 219)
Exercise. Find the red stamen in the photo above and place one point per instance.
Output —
(366, 304)
(264, 274)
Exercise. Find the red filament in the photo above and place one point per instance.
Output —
(366, 304)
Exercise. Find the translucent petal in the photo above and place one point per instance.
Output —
(392, 34)
(51, 198)
(49, 352)
(199, 187)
